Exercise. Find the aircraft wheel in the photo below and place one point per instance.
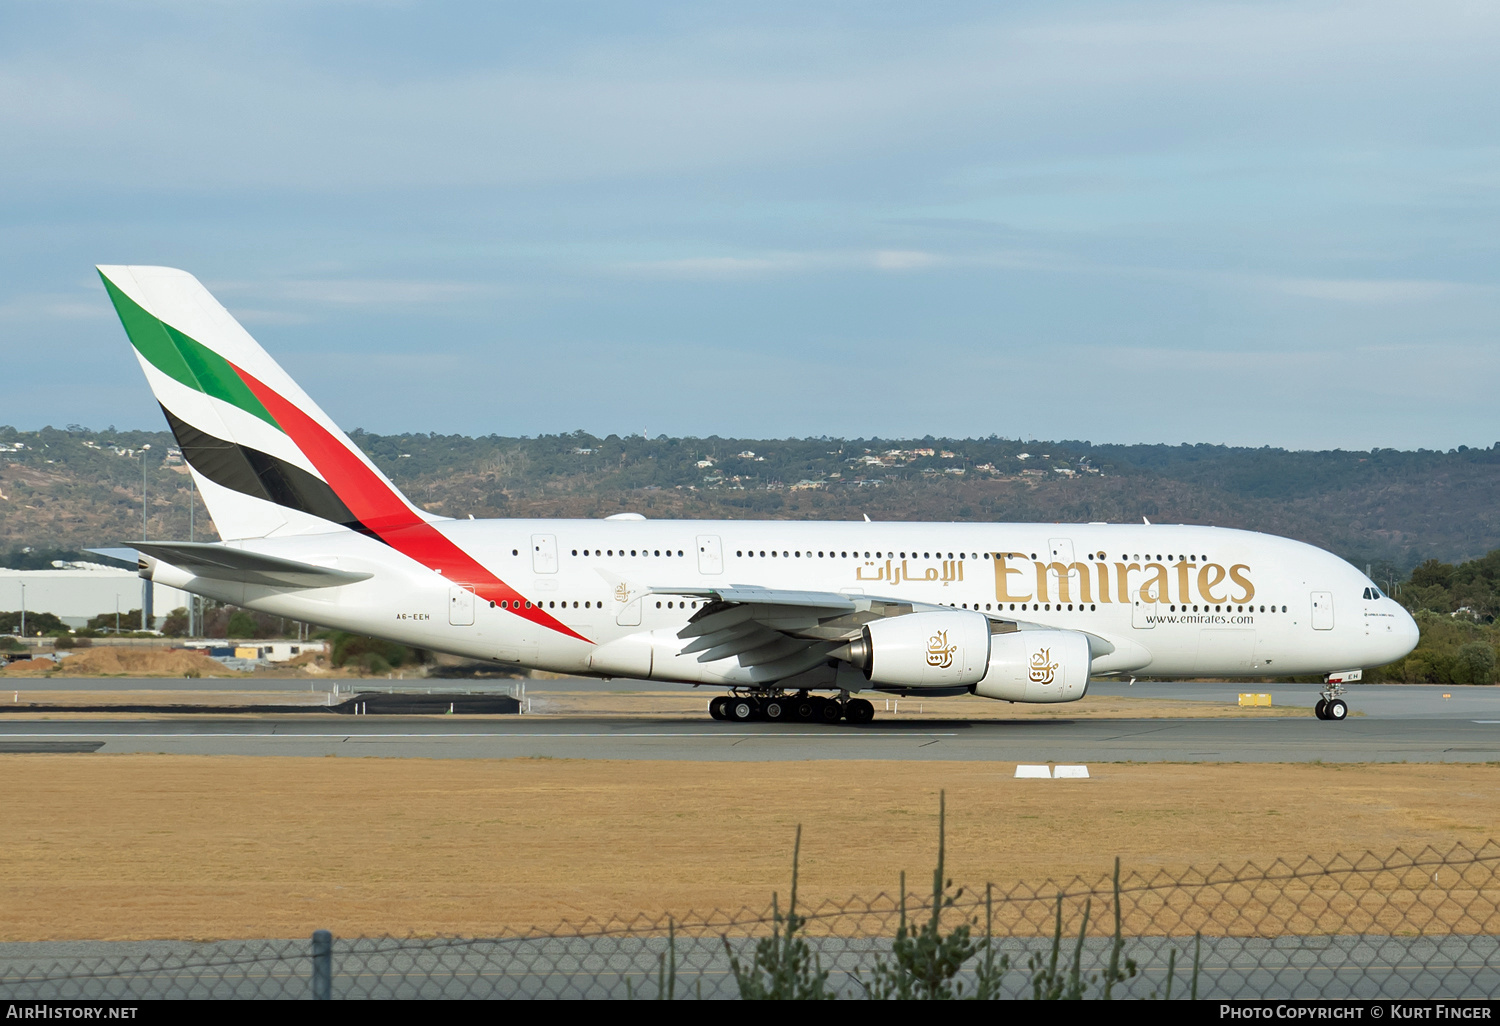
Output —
(859, 711)
(807, 709)
(775, 709)
(719, 708)
(742, 710)
(1336, 710)
(832, 711)
(1321, 709)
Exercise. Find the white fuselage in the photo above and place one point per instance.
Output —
(1172, 601)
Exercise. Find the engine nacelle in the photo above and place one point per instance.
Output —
(1037, 666)
(935, 649)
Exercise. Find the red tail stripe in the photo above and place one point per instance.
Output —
(380, 509)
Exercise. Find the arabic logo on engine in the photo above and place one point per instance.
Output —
(939, 652)
(1043, 670)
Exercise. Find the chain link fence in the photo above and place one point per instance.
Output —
(1403, 926)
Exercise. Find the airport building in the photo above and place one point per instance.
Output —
(77, 592)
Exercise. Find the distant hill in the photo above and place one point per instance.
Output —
(70, 488)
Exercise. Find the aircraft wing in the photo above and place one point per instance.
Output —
(221, 563)
(775, 633)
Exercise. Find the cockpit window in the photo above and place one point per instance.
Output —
(1373, 593)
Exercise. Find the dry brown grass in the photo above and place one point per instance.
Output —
(196, 846)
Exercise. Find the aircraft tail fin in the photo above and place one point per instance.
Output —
(268, 461)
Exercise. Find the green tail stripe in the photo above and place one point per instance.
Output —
(184, 359)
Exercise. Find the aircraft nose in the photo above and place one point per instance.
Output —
(1407, 634)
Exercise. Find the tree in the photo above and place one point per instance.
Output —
(1474, 663)
(176, 623)
(128, 619)
(36, 623)
(241, 625)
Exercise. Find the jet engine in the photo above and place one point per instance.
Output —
(1037, 666)
(932, 649)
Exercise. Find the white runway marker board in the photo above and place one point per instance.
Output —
(1025, 772)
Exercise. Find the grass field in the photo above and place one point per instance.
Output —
(135, 846)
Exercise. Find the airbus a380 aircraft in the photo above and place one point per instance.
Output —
(770, 611)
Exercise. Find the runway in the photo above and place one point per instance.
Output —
(1392, 724)
(1032, 740)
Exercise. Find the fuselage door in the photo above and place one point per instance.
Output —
(460, 606)
(710, 554)
(628, 607)
(1142, 613)
(1062, 552)
(1322, 610)
(544, 553)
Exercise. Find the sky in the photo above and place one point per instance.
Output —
(1244, 223)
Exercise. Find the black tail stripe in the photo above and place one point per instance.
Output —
(260, 475)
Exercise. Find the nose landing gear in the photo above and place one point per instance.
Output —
(1331, 706)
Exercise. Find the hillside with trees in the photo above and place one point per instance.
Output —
(1426, 523)
(62, 490)
(1455, 607)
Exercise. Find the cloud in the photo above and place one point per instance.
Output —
(354, 291)
(727, 267)
(1370, 291)
(1226, 180)
(728, 93)
(43, 308)
(905, 260)
(715, 267)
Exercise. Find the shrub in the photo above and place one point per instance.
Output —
(374, 662)
(241, 625)
(354, 648)
(176, 623)
(1474, 663)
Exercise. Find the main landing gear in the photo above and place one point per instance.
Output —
(1332, 705)
(800, 707)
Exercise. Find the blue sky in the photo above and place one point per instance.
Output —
(1252, 223)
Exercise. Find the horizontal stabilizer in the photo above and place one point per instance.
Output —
(221, 563)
